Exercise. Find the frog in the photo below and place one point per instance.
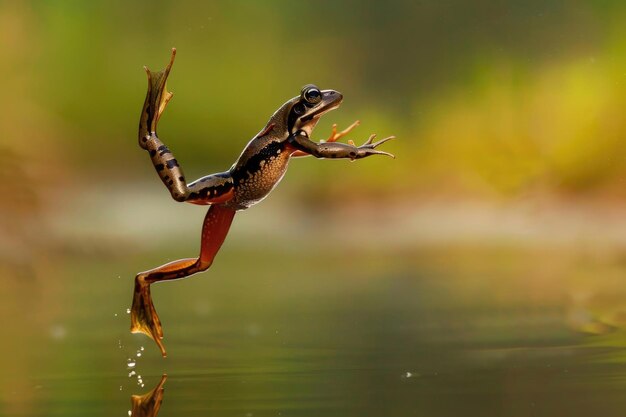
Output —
(258, 170)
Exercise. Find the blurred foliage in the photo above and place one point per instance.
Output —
(498, 97)
(486, 98)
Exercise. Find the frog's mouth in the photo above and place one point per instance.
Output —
(331, 99)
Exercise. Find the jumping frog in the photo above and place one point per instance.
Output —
(258, 170)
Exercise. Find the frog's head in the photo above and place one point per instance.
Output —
(302, 113)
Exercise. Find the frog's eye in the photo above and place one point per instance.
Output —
(311, 94)
(299, 109)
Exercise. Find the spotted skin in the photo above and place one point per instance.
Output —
(255, 179)
(257, 171)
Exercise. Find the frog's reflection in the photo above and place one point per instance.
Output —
(148, 404)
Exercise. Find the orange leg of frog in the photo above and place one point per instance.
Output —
(144, 318)
(214, 190)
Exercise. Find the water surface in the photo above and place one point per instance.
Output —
(431, 331)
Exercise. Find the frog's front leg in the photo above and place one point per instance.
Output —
(334, 137)
(301, 142)
(143, 315)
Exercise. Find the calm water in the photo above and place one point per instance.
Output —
(437, 332)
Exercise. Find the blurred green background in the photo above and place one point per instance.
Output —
(482, 266)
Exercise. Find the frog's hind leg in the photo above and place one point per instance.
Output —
(157, 98)
(143, 316)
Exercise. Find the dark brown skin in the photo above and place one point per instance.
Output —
(254, 175)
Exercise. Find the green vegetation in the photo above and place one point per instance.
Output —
(484, 98)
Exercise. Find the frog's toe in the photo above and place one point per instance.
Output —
(334, 135)
(143, 316)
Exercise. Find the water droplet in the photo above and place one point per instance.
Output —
(131, 373)
(128, 311)
(115, 314)
(130, 413)
(120, 387)
(408, 375)
(141, 348)
(131, 363)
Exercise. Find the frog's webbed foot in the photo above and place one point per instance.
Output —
(143, 315)
(334, 135)
(157, 98)
(368, 148)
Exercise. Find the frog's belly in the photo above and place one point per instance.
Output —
(252, 187)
